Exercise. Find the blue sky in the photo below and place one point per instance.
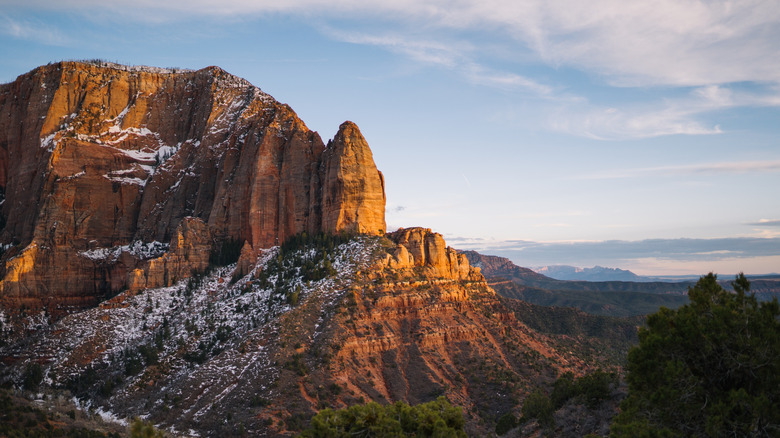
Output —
(639, 135)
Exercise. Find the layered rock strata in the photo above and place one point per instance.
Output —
(98, 159)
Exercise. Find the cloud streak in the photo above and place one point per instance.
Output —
(766, 223)
(666, 44)
(735, 167)
(621, 253)
(31, 30)
(457, 55)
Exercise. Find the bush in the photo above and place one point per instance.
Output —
(32, 377)
(142, 429)
(709, 368)
(538, 405)
(505, 423)
(433, 419)
(228, 253)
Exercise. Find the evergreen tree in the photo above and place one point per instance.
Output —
(433, 419)
(710, 368)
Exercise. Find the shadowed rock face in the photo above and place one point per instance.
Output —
(95, 159)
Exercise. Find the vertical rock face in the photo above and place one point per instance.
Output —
(95, 159)
(354, 190)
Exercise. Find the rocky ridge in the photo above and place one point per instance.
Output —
(217, 269)
(96, 157)
(399, 317)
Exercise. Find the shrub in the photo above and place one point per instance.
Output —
(32, 377)
(506, 423)
(433, 419)
(709, 368)
(538, 405)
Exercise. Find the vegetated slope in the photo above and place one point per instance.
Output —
(623, 304)
(603, 340)
(612, 298)
(320, 322)
(104, 168)
(55, 417)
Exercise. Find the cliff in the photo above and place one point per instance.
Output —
(325, 321)
(106, 170)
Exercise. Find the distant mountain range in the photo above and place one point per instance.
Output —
(599, 291)
(600, 273)
(596, 273)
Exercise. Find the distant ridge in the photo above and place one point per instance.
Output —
(596, 273)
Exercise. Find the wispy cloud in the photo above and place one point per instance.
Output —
(771, 166)
(666, 44)
(766, 223)
(456, 55)
(666, 116)
(32, 30)
(621, 253)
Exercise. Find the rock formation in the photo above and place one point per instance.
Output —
(97, 159)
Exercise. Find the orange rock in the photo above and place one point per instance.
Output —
(427, 251)
(354, 190)
(100, 156)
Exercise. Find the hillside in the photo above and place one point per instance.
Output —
(611, 298)
(178, 246)
(319, 322)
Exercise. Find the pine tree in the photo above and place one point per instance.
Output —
(710, 368)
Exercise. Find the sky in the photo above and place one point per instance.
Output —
(628, 134)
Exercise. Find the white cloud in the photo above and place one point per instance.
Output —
(770, 166)
(705, 45)
(664, 42)
(454, 55)
(766, 223)
(655, 256)
(670, 116)
(32, 31)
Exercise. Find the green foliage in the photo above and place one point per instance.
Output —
(505, 423)
(538, 405)
(19, 418)
(710, 368)
(32, 377)
(564, 389)
(229, 251)
(433, 419)
(302, 257)
(590, 389)
(80, 383)
(296, 364)
(595, 387)
(142, 429)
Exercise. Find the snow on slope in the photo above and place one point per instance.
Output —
(202, 331)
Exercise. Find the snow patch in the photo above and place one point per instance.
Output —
(142, 250)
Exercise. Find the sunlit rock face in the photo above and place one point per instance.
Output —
(105, 168)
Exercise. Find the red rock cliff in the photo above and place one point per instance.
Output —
(96, 159)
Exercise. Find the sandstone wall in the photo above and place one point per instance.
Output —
(98, 157)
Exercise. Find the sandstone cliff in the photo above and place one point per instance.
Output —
(396, 317)
(96, 160)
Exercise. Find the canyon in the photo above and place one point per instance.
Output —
(179, 246)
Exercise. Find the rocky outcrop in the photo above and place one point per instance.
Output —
(97, 157)
(422, 250)
(494, 266)
(354, 189)
(189, 252)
